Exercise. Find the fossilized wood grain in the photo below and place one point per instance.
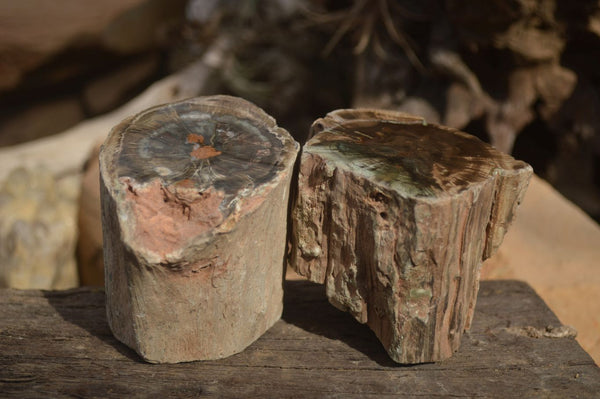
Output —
(194, 197)
(395, 216)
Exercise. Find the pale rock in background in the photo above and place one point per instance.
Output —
(37, 230)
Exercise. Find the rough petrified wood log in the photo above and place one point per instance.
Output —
(395, 216)
(194, 206)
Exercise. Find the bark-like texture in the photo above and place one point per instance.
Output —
(395, 216)
(194, 207)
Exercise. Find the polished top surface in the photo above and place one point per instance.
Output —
(412, 157)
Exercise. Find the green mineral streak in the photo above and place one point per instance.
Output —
(417, 293)
(416, 160)
(407, 176)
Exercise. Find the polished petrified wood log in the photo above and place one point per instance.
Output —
(395, 216)
(194, 208)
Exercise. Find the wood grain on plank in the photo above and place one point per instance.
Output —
(58, 344)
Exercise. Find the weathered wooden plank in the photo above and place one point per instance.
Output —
(194, 213)
(395, 216)
(58, 344)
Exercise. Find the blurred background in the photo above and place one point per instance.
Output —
(520, 74)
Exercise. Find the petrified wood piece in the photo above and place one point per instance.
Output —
(194, 206)
(395, 216)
